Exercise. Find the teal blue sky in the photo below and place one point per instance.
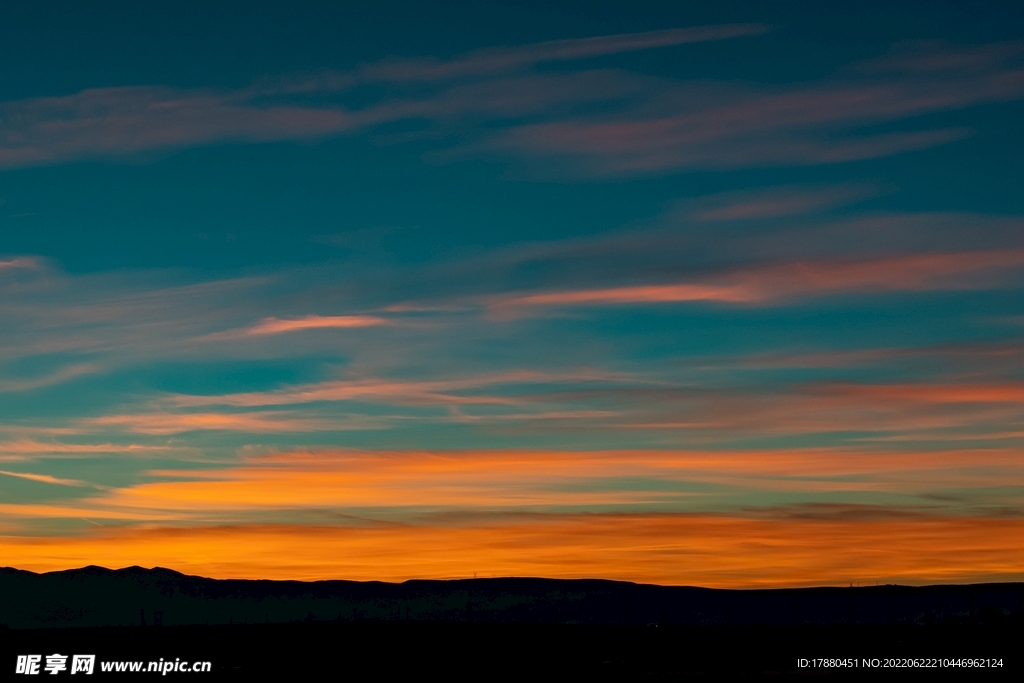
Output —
(234, 231)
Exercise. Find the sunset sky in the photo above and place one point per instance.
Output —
(721, 294)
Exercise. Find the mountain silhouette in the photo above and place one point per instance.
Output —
(93, 596)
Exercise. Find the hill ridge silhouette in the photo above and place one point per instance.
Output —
(137, 596)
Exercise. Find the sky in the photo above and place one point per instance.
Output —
(720, 294)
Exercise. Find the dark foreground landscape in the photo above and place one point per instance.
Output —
(501, 628)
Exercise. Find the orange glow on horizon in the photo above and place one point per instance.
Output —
(517, 480)
(444, 514)
(681, 549)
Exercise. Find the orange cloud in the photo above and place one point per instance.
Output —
(313, 322)
(774, 284)
(689, 549)
(979, 409)
(271, 326)
(75, 511)
(773, 202)
(260, 422)
(45, 478)
(941, 393)
(595, 400)
(640, 294)
(518, 513)
(401, 484)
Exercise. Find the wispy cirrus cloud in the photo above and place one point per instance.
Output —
(102, 321)
(404, 485)
(264, 422)
(783, 547)
(492, 60)
(269, 326)
(23, 262)
(109, 318)
(313, 322)
(418, 376)
(775, 284)
(1008, 392)
(700, 402)
(703, 243)
(45, 478)
(34, 448)
(841, 412)
(773, 202)
(660, 145)
(559, 480)
(77, 512)
(106, 122)
(973, 357)
(127, 121)
(58, 376)
(409, 376)
(689, 126)
(447, 391)
(931, 56)
(490, 101)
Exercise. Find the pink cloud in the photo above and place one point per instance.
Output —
(501, 59)
(654, 124)
(106, 122)
(127, 120)
(935, 56)
(773, 202)
(651, 146)
(804, 125)
(505, 58)
(118, 121)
